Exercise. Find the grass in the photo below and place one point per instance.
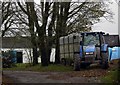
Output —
(111, 78)
(39, 68)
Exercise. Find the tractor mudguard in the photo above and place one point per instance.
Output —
(104, 47)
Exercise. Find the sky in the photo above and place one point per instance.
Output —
(106, 26)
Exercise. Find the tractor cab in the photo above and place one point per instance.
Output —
(93, 38)
(92, 49)
(92, 42)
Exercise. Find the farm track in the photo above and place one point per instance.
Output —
(88, 75)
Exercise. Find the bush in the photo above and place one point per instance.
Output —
(7, 60)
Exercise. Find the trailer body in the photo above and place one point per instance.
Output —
(68, 45)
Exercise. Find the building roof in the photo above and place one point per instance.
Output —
(14, 42)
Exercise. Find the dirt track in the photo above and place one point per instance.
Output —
(89, 75)
(47, 77)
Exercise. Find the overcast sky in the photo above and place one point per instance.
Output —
(104, 25)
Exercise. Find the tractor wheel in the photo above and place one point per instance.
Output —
(76, 62)
(104, 63)
(63, 62)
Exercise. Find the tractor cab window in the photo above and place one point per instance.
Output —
(91, 39)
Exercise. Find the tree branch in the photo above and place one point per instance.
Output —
(22, 8)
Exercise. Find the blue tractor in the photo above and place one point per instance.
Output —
(93, 49)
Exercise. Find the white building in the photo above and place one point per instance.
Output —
(23, 47)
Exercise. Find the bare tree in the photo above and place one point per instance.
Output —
(7, 14)
(28, 10)
(77, 17)
(43, 38)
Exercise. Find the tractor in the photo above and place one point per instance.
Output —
(84, 49)
(93, 49)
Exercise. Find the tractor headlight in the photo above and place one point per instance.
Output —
(89, 53)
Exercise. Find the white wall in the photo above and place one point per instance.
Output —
(27, 55)
(52, 56)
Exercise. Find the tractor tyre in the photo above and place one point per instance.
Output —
(105, 64)
(76, 62)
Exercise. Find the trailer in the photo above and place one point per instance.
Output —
(112, 40)
(113, 46)
(68, 46)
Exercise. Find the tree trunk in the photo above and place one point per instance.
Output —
(30, 9)
(57, 52)
(35, 56)
(42, 35)
(50, 32)
(44, 58)
(61, 25)
(35, 53)
(49, 49)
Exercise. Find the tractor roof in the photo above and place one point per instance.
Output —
(92, 33)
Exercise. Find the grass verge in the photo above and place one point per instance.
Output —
(39, 68)
(111, 78)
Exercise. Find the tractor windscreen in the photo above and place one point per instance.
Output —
(91, 39)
